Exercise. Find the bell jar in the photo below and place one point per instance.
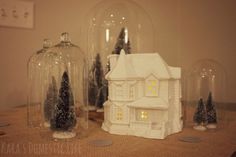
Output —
(205, 94)
(35, 79)
(112, 26)
(63, 110)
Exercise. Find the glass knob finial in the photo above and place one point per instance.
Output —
(47, 43)
(65, 37)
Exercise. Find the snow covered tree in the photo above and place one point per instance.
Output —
(100, 98)
(92, 92)
(50, 101)
(98, 86)
(92, 88)
(64, 118)
(96, 80)
(127, 47)
(98, 71)
(121, 43)
(210, 110)
(200, 114)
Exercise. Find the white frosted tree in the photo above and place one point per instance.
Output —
(50, 101)
(64, 118)
(211, 112)
(200, 116)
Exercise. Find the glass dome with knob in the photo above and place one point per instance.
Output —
(112, 26)
(65, 82)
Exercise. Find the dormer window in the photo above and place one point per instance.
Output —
(152, 87)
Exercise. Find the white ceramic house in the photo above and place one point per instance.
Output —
(144, 96)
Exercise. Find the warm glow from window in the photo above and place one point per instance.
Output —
(143, 115)
(152, 87)
(119, 114)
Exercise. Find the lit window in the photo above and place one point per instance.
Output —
(142, 115)
(119, 114)
(152, 87)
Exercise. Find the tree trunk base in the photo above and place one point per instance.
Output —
(199, 128)
(46, 124)
(63, 134)
(211, 126)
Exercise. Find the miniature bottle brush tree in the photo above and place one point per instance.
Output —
(211, 113)
(64, 118)
(200, 116)
(50, 102)
(98, 85)
(122, 43)
(205, 114)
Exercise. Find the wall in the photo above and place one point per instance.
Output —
(185, 32)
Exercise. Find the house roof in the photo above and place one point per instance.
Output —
(131, 66)
(150, 103)
(123, 69)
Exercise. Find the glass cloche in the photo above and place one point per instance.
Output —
(112, 26)
(35, 79)
(64, 91)
(205, 88)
